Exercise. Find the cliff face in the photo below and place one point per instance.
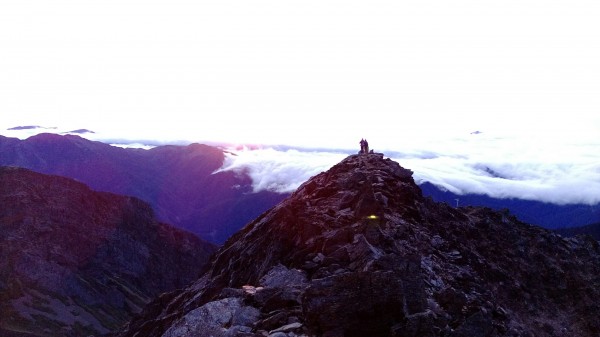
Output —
(177, 181)
(358, 251)
(75, 262)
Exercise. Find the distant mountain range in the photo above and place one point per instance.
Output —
(178, 181)
(593, 230)
(75, 262)
(534, 212)
(180, 184)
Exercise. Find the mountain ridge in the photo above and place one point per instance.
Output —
(178, 181)
(359, 251)
(76, 262)
(543, 214)
(213, 206)
(592, 230)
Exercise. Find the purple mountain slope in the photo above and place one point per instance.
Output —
(75, 262)
(178, 181)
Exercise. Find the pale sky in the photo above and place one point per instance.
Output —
(415, 78)
(305, 73)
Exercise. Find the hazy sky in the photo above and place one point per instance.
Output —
(314, 73)
(415, 78)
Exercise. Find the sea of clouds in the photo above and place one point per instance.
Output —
(548, 170)
(559, 169)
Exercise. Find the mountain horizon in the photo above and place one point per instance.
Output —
(180, 182)
(190, 186)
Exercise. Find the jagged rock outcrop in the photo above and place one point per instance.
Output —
(358, 251)
(74, 262)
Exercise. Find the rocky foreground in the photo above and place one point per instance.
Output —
(74, 262)
(358, 251)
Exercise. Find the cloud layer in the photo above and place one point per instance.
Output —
(280, 170)
(559, 168)
(548, 170)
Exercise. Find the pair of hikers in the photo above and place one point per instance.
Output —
(364, 146)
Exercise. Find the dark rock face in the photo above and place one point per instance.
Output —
(75, 262)
(178, 181)
(358, 251)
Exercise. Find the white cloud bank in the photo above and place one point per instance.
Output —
(280, 170)
(548, 170)
(560, 167)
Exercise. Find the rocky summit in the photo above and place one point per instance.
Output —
(358, 251)
(74, 262)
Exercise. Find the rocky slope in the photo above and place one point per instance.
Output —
(358, 251)
(178, 181)
(75, 262)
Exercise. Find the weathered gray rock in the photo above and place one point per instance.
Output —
(280, 276)
(222, 318)
(287, 328)
(278, 334)
(76, 262)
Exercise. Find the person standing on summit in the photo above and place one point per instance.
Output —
(364, 146)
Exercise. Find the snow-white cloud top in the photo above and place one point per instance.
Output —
(548, 170)
(280, 170)
(561, 167)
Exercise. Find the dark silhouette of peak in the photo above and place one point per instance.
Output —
(178, 181)
(48, 136)
(358, 251)
(547, 215)
(74, 262)
(592, 230)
